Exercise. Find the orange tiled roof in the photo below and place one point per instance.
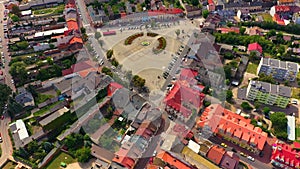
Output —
(223, 120)
(168, 158)
(216, 154)
(75, 40)
(72, 24)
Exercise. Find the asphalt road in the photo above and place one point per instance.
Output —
(5, 51)
(6, 146)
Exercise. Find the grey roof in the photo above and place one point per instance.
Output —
(271, 88)
(24, 97)
(280, 64)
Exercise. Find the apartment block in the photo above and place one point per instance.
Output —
(280, 70)
(268, 93)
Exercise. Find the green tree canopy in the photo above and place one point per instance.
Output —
(279, 124)
(205, 13)
(18, 70)
(83, 154)
(4, 95)
(246, 106)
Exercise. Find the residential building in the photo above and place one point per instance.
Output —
(98, 17)
(254, 31)
(255, 47)
(218, 121)
(19, 133)
(24, 98)
(211, 6)
(230, 161)
(227, 30)
(215, 154)
(173, 160)
(251, 6)
(243, 15)
(192, 11)
(195, 159)
(285, 155)
(279, 70)
(39, 4)
(282, 14)
(103, 155)
(285, 2)
(268, 93)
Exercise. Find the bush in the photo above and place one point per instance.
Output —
(246, 106)
(109, 53)
(151, 34)
(130, 39)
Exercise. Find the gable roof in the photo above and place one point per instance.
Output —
(78, 67)
(168, 158)
(255, 46)
(215, 154)
(229, 161)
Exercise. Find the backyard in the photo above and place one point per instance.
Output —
(296, 93)
(267, 17)
(10, 165)
(45, 109)
(61, 157)
(297, 133)
(252, 68)
(54, 10)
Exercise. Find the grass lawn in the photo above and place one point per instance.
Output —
(296, 93)
(42, 98)
(297, 132)
(10, 165)
(267, 17)
(252, 68)
(54, 10)
(61, 157)
(45, 109)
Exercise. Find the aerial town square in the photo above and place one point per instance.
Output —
(149, 84)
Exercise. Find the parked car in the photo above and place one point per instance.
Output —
(294, 101)
(223, 145)
(243, 154)
(251, 158)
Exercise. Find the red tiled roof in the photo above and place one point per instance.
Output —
(286, 154)
(282, 8)
(255, 46)
(168, 158)
(188, 75)
(215, 154)
(210, 2)
(179, 94)
(78, 67)
(125, 161)
(75, 40)
(223, 120)
(165, 11)
(147, 133)
(182, 131)
(227, 30)
(72, 24)
(112, 87)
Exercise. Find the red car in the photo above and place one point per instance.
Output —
(2, 117)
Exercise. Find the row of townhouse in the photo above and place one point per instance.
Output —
(279, 70)
(218, 121)
(268, 93)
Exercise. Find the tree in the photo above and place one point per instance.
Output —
(18, 70)
(50, 61)
(242, 30)
(246, 106)
(205, 13)
(138, 81)
(15, 18)
(279, 124)
(266, 110)
(47, 146)
(229, 95)
(257, 105)
(228, 55)
(114, 62)
(107, 71)
(4, 95)
(271, 33)
(206, 103)
(97, 35)
(195, 2)
(32, 146)
(177, 32)
(61, 19)
(83, 155)
(16, 10)
(109, 53)
(83, 30)
(22, 45)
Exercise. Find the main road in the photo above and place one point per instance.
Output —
(6, 145)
